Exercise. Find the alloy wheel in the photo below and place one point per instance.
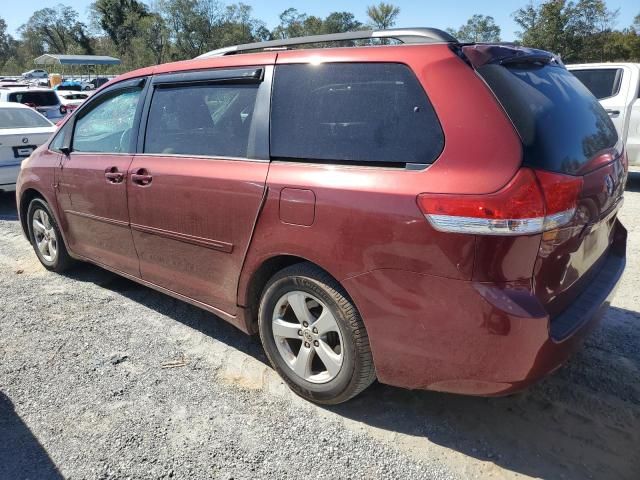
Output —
(44, 235)
(308, 337)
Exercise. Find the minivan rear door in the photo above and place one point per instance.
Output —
(564, 130)
(197, 184)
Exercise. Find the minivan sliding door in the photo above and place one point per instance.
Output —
(197, 185)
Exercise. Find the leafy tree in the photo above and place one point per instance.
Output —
(577, 31)
(593, 24)
(340, 22)
(7, 43)
(121, 20)
(192, 24)
(479, 28)
(383, 15)
(240, 26)
(296, 24)
(155, 37)
(292, 24)
(546, 26)
(56, 30)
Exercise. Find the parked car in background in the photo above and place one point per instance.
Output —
(617, 87)
(44, 100)
(98, 82)
(76, 85)
(349, 208)
(71, 99)
(22, 130)
(35, 74)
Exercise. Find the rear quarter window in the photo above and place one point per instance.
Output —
(353, 112)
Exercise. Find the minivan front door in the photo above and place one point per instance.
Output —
(92, 188)
(196, 188)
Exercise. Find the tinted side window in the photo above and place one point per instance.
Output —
(201, 120)
(107, 127)
(357, 112)
(603, 83)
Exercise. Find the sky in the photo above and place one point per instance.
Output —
(413, 13)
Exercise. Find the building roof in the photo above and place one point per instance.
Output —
(50, 59)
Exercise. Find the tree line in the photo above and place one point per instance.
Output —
(147, 33)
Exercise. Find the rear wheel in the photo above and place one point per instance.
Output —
(46, 237)
(314, 336)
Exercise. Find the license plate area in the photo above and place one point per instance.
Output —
(23, 151)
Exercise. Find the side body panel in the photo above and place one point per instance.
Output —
(366, 218)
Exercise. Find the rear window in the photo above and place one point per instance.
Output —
(21, 118)
(37, 98)
(353, 112)
(602, 82)
(561, 124)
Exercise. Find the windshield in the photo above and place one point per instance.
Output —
(561, 124)
(21, 118)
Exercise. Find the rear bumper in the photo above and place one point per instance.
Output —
(474, 338)
(8, 175)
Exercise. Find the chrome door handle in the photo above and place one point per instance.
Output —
(141, 177)
(113, 175)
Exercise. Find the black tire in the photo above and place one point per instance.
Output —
(61, 261)
(357, 370)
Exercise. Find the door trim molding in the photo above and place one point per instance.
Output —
(180, 237)
(183, 237)
(110, 221)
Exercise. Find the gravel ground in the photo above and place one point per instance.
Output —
(103, 378)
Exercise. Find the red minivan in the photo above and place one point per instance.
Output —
(399, 206)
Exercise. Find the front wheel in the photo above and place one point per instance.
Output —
(313, 335)
(46, 237)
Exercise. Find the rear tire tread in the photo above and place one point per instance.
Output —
(365, 373)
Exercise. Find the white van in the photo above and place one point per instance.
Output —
(617, 87)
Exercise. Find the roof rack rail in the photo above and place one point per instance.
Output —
(403, 35)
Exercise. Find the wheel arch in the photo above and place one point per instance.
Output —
(26, 197)
(249, 296)
(23, 206)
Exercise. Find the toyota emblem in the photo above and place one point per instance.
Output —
(609, 185)
(25, 140)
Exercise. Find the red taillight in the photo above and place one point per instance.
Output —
(531, 202)
(561, 194)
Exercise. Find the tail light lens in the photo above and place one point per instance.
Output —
(532, 202)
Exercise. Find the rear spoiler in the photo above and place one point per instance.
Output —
(480, 54)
